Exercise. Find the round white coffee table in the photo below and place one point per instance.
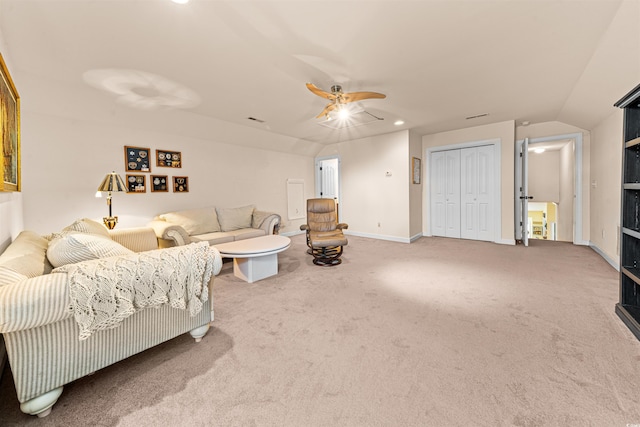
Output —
(255, 259)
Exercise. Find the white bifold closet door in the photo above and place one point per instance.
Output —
(445, 193)
(462, 193)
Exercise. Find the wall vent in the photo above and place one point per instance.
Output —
(477, 116)
(255, 120)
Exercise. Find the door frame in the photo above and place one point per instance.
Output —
(318, 177)
(577, 179)
(497, 183)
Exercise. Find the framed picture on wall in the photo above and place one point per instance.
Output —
(159, 183)
(416, 170)
(9, 131)
(168, 159)
(136, 159)
(136, 183)
(180, 184)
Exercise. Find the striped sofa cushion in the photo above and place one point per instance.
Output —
(74, 247)
(86, 225)
(8, 276)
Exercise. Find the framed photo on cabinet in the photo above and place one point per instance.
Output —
(416, 169)
(136, 183)
(180, 184)
(137, 159)
(159, 183)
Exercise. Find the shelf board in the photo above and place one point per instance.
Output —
(630, 232)
(630, 315)
(632, 273)
(631, 186)
(632, 143)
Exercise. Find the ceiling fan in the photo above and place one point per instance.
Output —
(339, 98)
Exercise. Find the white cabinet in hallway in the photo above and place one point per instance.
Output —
(462, 193)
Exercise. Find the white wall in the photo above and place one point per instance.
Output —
(606, 173)
(64, 160)
(567, 190)
(544, 176)
(374, 204)
(505, 133)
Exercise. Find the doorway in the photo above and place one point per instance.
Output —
(327, 170)
(553, 169)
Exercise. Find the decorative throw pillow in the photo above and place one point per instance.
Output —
(235, 218)
(27, 255)
(194, 221)
(75, 247)
(8, 276)
(86, 225)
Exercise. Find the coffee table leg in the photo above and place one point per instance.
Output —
(256, 268)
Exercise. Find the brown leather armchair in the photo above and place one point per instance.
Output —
(324, 234)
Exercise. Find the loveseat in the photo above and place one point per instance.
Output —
(213, 225)
(58, 327)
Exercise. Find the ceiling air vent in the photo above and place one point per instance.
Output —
(477, 116)
(255, 120)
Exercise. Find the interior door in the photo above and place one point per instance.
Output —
(438, 194)
(522, 191)
(452, 193)
(476, 171)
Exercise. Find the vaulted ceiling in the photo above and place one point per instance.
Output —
(223, 62)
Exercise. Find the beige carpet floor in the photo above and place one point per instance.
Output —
(441, 332)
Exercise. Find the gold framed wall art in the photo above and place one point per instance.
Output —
(159, 183)
(180, 184)
(416, 170)
(136, 183)
(10, 131)
(168, 159)
(137, 159)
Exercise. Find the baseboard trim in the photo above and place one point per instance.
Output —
(606, 257)
(292, 233)
(511, 242)
(378, 236)
(416, 237)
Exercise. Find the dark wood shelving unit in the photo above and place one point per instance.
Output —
(628, 308)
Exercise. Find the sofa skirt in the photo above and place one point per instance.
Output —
(49, 356)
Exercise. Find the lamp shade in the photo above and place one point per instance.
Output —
(112, 182)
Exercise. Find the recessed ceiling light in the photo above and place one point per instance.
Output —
(180, 1)
(539, 150)
(398, 122)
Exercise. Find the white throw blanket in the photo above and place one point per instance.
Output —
(104, 292)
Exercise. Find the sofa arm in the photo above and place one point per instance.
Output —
(169, 235)
(34, 302)
(267, 221)
(138, 239)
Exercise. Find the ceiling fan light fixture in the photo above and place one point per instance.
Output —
(343, 113)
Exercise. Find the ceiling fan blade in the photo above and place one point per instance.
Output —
(313, 88)
(358, 96)
(327, 110)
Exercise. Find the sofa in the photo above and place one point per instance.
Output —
(213, 225)
(60, 325)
